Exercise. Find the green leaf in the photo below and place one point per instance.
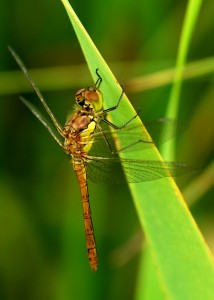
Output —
(192, 12)
(183, 261)
(148, 278)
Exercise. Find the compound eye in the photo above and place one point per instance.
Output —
(92, 95)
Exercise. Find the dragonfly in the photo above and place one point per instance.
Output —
(91, 150)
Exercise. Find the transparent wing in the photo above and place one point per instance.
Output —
(109, 170)
(133, 137)
(164, 129)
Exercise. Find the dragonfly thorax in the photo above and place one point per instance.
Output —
(78, 122)
(78, 133)
(90, 99)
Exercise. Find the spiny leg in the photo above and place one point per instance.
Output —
(99, 80)
(114, 108)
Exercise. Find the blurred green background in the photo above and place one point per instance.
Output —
(42, 242)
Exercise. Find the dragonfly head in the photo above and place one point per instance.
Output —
(90, 99)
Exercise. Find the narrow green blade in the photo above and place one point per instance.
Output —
(183, 261)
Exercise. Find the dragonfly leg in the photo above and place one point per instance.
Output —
(118, 103)
(99, 80)
(133, 144)
(112, 150)
(108, 144)
(114, 108)
(116, 126)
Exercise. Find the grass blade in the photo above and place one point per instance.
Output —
(192, 12)
(183, 261)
